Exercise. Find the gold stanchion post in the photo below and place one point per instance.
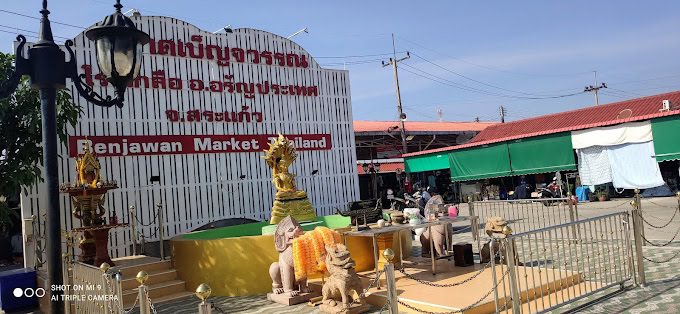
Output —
(144, 306)
(391, 282)
(203, 292)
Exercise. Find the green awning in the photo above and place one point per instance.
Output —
(480, 162)
(427, 162)
(665, 131)
(547, 153)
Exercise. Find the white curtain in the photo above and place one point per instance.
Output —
(633, 166)
(593, 165)
(632, 132)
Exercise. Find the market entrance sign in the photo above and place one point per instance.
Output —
(198, 119)
(107, 146)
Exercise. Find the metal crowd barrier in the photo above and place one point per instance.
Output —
(522, 215)
(548, 268)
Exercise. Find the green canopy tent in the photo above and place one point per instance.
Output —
(665, 131)
(546, 153)
(429, 162)
(480, 162)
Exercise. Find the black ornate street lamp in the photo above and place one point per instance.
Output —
(119, 54)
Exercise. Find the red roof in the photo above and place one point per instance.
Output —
(642, 109)
(384, 167)
(416, 126)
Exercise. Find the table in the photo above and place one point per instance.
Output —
(373, 232)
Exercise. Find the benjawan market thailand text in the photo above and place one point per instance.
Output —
(112, 146)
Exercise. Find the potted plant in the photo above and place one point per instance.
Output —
(602, 195)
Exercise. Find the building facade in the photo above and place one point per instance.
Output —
(197, 119)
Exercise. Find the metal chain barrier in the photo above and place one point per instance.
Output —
(118, 302)
(448, 285)
(658, 227)
(155, 217)
(461, 230)
(463, 309)
(662, 261)
(217, 308)
(665, 244)
(614, 207)
(387, 305)
(657, 204)
(148, 299)
(363, 294)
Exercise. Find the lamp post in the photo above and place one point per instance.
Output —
(119, 51)
(373, 169)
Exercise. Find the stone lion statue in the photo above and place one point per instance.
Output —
(494, 228)
(283, 272)
(342, 281)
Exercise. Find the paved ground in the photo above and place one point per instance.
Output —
(662, 293)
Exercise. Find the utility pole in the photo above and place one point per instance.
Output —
(502, 114)
(595, 88)
(393, 62)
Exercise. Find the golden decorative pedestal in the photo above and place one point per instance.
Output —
(300, 208)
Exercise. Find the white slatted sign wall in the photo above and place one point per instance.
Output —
(199, 188)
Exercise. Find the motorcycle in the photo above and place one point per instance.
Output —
(549, 192)
(397, 203)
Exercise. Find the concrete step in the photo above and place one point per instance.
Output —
(156, 291)
(131, 271)
(155, 277)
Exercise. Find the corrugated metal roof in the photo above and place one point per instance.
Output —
(641, 108)
(416, 126)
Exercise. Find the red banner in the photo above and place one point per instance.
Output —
(103, 146)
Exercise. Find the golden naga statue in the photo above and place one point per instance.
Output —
(289, 200)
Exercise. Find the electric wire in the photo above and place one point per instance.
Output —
(37, 18)
(473, 89)
(474, 80)
(491, 68)
(30, 31)
(359, 56)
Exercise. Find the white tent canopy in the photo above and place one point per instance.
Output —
(632, 132)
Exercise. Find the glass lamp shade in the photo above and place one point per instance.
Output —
(119, 49)
(377, 167)
(119, 58)
(365, 167)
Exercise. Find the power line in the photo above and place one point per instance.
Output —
(14, 33)
(359, 56)
(37, 18)
(30, 31)
(474, 80)
(473, 89)
(488, 67)
(627, 92)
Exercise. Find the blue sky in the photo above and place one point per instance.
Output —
(482, 53)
